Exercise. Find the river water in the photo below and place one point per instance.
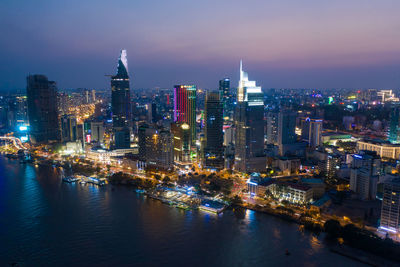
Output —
(45, 222)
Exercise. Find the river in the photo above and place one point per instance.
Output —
(45, 222)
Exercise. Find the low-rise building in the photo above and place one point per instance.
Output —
(316, 184)
(383, 148)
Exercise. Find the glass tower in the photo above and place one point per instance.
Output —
(249, 121)
(213, 149)
(42, 109)
(185, 107)
(121, 103)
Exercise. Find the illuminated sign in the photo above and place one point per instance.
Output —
(88, 138)
(23, 128)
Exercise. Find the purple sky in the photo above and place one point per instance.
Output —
(283, 43)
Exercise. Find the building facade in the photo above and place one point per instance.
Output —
(390, 212)
(121, 103)
(185, 107)
(42, 109)
(213, 151)
(249, 122)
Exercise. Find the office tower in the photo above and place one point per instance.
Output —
(121, 103)
(311, 131)
(97, 131)
(390, 212)
(272, 127)
(155, 148)
(17, 112)
(224, 86)
(364, 174)
(213, 149)
(181, 132)
(69, 128)
(249, 122)
(42, 109)
(286, 127)
(185, 107)
(394, 126)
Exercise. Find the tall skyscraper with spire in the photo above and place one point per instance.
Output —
(249, 122)
(121, 103)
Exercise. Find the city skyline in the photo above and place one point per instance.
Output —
(284, 44)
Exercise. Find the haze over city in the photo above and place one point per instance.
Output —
(297, 44)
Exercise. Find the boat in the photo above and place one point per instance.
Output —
(70, 179)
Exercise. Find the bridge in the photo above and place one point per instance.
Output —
(14, 141)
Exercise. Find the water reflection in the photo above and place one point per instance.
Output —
(45, 222)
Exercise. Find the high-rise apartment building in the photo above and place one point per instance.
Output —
(286, 127)
(97, 131)
(364, 174)
(390, 212)
(213, 151)
(249, 122)
(272, 127)
(121, 103)
(185, 107)
(224, 86)
(311, 131)
(181, 133)
(155, 148)
(42, 109)
(69, 128)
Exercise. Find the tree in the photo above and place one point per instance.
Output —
(237, 200)
(333, 228)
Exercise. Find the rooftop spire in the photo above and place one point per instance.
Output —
(122, 70)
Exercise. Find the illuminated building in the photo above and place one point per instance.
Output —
(383, 148)
(394, 126)
(42, 109)
(311, 131)
(213, 150)
(185, 107)
(68, 128)
(97, 131)
(249, 122)
(155, 148)
(364, 174)
(387, 95)
(121, 103)
(291, 192)
(224, 86)
(181, 134)
(272, 127)
(390, 212)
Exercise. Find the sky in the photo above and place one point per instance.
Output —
(283, 43)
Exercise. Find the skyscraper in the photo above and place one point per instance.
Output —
(181, 133)
(394, 126)
(364, 174)
(272, 127)
(185, 107)
(286, 127)
(249, 122)
(42, 109)
(224, 86)
(390, 213)
(311, 131)
(121, 103)
(213, 149)
(68, 128)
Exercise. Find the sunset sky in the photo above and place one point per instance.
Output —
(285, 43)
